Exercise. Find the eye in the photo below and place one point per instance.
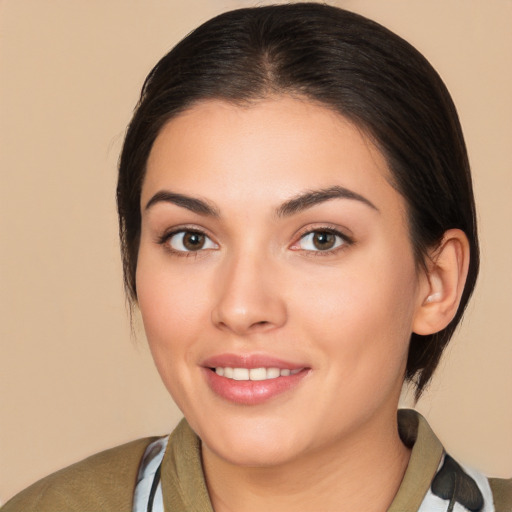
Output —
(320, 240)
(189, 241)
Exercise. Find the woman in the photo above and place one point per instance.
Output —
(298, 231)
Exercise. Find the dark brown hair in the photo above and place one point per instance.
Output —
(347, 63)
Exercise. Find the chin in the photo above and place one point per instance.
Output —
(253, 443)
(269, 454)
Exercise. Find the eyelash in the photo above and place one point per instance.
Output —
(346, 241)
(167, 236)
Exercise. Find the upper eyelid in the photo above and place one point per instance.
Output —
(167, 233)
(343, 232)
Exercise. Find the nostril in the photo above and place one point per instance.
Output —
(263, 323)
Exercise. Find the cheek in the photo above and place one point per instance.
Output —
(169, 297)
(174, 311)
(363, 312)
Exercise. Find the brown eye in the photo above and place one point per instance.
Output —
(190, 241)
(193, 241)
(321, 240)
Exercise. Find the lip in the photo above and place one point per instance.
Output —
(251, 392)
(250, 361)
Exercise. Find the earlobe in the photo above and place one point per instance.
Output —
(443, 283)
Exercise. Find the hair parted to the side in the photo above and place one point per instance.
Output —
(344, 62)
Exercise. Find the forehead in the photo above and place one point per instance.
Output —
(266, 151)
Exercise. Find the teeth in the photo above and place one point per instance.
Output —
(254, 373)
(273, 373)
(257, 374)
(240, 374)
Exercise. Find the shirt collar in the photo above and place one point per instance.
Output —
(184, 486)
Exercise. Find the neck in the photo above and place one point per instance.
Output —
(360, 473)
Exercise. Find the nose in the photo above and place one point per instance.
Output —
(249, 297)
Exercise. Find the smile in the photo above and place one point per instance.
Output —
(257, 374)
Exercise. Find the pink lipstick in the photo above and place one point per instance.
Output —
(251, 379)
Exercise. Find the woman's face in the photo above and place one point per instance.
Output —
(274, 249)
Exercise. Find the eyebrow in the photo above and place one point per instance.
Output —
(193, 204)
(294, 205)
(311, 198)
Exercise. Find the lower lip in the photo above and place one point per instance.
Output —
(251, 392)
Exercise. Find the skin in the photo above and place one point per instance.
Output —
(260, 287)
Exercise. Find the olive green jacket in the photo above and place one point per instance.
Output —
(105, 482)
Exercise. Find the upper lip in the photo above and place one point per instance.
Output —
(249, 361)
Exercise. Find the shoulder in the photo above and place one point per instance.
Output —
(502, 493)
(104, 481)
(434, 480)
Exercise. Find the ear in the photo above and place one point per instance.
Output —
(442, 284)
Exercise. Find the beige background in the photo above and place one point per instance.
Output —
(73, 380)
